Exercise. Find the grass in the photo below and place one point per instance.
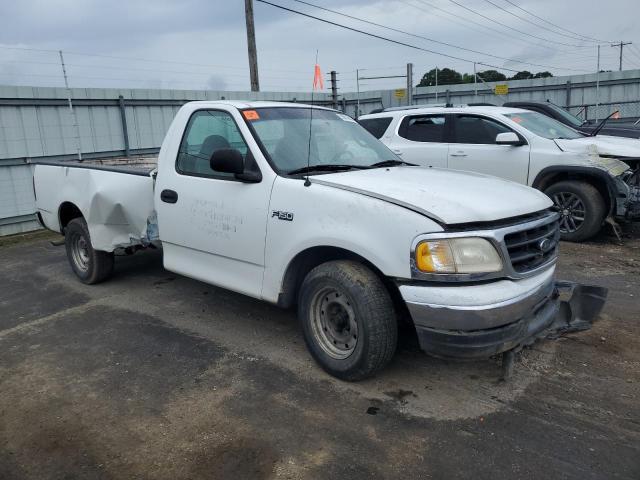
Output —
(29, 237)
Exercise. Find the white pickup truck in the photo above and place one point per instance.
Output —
(301, 206)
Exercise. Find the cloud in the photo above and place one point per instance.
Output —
(206, 39)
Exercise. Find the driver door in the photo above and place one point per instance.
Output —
(212, 226)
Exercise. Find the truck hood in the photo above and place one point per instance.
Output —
(604, 144)
(447, 196)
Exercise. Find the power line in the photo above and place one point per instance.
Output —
(139, 80)
(116, 57)
(572, 37)
(114, 67)
(423, 37)
(380, 37)
(457, 19)
(511, 28)
(555, 25)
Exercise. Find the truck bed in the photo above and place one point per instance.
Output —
(114, 196)
(137, 165)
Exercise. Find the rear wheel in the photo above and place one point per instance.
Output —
(91, 266)
(582, 209)
(348, 319)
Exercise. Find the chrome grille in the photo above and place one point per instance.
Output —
(530, 248)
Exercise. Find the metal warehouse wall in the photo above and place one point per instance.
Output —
(35, 122)
(618, 90)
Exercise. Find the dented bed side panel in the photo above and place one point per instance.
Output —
(116, 206)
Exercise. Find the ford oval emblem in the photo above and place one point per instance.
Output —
(546, 245)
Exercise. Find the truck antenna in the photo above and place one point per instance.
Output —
(307, 182)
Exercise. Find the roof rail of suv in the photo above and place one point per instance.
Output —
(413, 107)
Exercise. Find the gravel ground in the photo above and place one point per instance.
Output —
(156, 376)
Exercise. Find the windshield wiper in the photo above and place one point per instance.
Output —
(391, 163)
(329, 167)
(596, 131)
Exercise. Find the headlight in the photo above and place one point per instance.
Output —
(457, 255)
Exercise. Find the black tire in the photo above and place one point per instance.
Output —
(91, 266)
(592, 209)
(337, 299)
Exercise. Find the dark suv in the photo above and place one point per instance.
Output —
(627, 129)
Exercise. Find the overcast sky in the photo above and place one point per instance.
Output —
(208, 37)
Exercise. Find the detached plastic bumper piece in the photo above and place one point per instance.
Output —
(567, 307)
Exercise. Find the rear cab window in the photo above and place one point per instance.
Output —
(376, 126)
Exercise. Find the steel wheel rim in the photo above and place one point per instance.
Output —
(572, 211)
(80, 252)
(334, 323)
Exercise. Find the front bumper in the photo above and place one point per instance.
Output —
(469, 331)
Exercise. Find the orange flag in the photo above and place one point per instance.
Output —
(318, 83)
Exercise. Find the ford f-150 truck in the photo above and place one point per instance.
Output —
(300, 206)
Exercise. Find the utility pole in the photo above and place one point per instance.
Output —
(74, 117)
(334, 89)
(436, 84)
(597, 87)
(357, 93)
(475, 79)
(251, 45)
(409, 83)
(621, 45)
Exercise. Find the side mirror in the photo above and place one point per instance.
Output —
(230, 160)
(227, 160)
(508, 138)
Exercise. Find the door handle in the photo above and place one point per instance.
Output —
(169, 196)
(458, 154)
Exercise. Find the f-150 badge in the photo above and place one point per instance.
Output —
(280, 215)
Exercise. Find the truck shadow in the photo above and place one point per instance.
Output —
(414, 382)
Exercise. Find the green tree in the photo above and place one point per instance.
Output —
(522, 75)
(446, 76)
(491, 76)
(468, 78)
(543, 75)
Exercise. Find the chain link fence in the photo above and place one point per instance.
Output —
(628, 111)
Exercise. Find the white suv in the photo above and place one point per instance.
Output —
(589, 178)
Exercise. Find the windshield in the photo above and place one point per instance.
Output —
(543, 126)
(335, 138)
(571, 119)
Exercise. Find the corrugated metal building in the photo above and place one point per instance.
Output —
(35, 122)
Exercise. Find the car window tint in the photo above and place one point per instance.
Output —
(206, 132)
(477, 130)
(376, 126)
(423, 128)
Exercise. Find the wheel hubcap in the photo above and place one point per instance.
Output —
(572, 211)
(80, 252)
(334, 323)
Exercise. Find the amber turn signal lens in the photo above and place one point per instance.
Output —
(435, 257)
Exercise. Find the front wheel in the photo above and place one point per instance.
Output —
(91, 266)
(582, 209)
(348, 319)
